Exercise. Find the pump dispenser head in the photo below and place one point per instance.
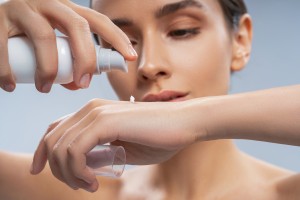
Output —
(108, 60)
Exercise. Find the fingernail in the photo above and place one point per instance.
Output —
(46, 87)
(9, 87)
(132, 51)
(85, 81)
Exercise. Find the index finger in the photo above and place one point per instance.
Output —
(40, 155)
(104, 27)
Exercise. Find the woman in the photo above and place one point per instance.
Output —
(187, 50)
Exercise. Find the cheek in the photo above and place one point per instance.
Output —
(205, 67)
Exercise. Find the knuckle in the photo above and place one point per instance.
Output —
(96, 113)
(45, 35)
(92, 104)
(105, 18)
(71, 150)
(90, 61)
(46, 73)
(56, 153)
(81, 23)
(87, 62)
(51, 127)
(46, 141)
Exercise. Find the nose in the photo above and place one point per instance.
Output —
(153, 60)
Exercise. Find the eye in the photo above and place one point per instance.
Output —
(183, 33)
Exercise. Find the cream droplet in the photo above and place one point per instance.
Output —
(132, 99)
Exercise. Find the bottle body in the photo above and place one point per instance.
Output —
(23, 62)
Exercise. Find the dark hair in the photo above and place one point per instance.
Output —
(233, 10)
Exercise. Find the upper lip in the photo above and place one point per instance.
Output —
(166, 95)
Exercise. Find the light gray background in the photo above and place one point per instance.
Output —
(25, 113)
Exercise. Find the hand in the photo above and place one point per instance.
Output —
(37, 18)
(149, 132)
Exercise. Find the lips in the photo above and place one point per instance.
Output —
(169, 96)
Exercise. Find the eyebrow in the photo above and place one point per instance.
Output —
(165, 10)
(174, 7)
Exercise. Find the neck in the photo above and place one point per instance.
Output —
(200, 168)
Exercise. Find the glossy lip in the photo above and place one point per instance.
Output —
(165, 95)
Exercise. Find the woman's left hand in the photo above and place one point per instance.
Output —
(149, 132)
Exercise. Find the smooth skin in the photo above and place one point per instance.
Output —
(37, 20)
(184, 136)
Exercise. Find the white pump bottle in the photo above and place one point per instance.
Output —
(23, 63)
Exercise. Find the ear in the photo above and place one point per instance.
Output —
(242, 43)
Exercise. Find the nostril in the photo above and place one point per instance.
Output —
(145, 77)
(161, 73)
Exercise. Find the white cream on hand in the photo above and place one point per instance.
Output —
(132, 99)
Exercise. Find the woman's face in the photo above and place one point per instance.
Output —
(185, 48)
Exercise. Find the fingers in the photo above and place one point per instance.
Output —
(37, 19)
(66, 162)
(81, 43)
(43, 38)
(68, 158)
(39, 158)
(59, 158)
(106, 29)
(7, 82)
(50, 148)
(21, 19)
(40, 155)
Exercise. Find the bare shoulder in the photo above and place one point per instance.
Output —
(265, 181)
(279, 183)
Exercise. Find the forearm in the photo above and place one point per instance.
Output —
(270, 115)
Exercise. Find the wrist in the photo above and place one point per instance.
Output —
(198, 120)
(211, 118)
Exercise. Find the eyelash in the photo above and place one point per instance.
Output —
(184, 33)
(181, 34)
